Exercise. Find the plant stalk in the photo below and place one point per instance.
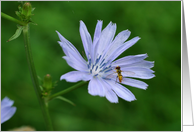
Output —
(66, 90)
(13, 19)
(35, 82)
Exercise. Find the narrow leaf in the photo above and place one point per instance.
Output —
(31, 22)
(33, 9)
(17, 33)
(66, 100)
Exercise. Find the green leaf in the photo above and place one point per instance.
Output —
(40, 79)
(66, 100)
(33, 9)
(31, 22)
(41, 88)
(17, 33)
(18, 14)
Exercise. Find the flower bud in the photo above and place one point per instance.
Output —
(47, 82)
(27, 9)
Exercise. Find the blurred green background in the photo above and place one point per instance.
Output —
(157, 23)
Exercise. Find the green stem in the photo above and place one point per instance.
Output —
(67, 90)
(42, 102)
(12, 19)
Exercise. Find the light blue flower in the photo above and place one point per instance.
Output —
(7, 110)
(100, 66)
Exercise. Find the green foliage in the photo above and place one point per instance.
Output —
(65, 100)
(24, 14)
(17, 33)
(157, 23)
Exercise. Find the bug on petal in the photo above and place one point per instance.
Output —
(119, 75)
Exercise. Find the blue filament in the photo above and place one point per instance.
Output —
(102, 65)
(96, 68)
(97, 60)
(92, 67)
(108, 70)
(102, 61)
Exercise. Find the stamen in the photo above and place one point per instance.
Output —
(96, 75)
(89, 61)
(107, 78)
(88, 65)
(102, 61)
(96, 68)
(102, 65)
(108, 63)
(97, 60)
(92, 67)
(108, 70)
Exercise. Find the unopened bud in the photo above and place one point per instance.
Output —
(47, 82)
(27, 9)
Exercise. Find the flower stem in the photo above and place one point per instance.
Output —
(12, 19)
(42, 102)
(67, 90)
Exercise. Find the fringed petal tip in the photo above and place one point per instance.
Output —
(99, 21)
(138, 37)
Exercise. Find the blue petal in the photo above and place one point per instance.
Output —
(6, 102)
(97, 32)
(118, 41)
(95, 87)
(97, 35)
(86, 39)
(71, 51)
(121, 91)
(134, 83)
(106, 38)
(143, 64)
(123, 47)
(128, 60)
(138, 72)
(110, 94)
(75, 64)
(66, 44)
(75, 76)
(7, 111)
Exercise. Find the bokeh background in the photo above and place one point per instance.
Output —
(157, 23)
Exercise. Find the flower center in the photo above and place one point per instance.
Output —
(99, 68)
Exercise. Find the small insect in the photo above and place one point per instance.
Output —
(119, 75)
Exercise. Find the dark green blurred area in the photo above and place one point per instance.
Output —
(156, 109)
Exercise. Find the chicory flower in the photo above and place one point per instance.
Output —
(101, 68)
